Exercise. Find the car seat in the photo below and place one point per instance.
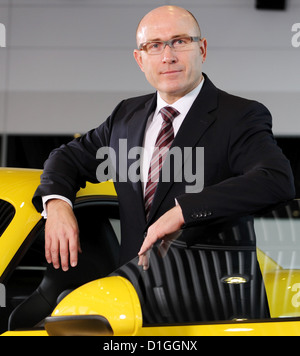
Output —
(100, 257)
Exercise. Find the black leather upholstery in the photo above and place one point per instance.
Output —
(99, 258)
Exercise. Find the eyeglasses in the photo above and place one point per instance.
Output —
(178, 44)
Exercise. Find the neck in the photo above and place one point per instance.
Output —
(171, 98)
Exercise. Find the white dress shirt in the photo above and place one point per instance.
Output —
(154, 124)
(153, 127)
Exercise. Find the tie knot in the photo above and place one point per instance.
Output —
(168, 113)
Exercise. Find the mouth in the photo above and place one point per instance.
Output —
(171, 72)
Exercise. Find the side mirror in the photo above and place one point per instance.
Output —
(107, 306)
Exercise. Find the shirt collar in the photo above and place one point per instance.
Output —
(183, 104)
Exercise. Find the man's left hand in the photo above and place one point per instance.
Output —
(163, 229)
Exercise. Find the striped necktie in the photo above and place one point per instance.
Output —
(162, 145)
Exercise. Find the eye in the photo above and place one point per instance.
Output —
(181, 42)
(153, 46)
(178, 42)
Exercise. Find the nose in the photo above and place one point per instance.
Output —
(169, 55)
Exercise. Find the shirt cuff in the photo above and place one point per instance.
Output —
(53, 196)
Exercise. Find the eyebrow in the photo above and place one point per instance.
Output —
(173, 37)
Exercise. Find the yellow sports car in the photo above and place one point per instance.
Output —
(225, 286)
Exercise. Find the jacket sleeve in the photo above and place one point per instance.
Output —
(70, 166)
(261, 174)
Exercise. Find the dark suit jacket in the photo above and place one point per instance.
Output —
(244, 169)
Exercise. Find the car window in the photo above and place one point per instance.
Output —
(278, 240)
(7, 212)
(238, 270)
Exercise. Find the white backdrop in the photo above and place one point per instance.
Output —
(69, 62)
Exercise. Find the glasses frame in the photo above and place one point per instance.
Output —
(170, 43)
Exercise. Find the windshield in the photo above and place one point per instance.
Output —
(247, 268)
(7, 212)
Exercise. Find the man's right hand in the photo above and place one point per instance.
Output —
(61, 235)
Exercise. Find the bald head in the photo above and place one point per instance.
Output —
(173, 72)
(164, 14)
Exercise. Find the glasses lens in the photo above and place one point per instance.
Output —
(181, 43)
(154, 47)
(178, 44)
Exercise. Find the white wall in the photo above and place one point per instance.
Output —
(69, 62)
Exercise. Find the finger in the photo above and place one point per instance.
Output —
(64, 254)
(54, 251)
(74, 247)
(140, 263)
(144, 260)
(147, 245)
(48, 250)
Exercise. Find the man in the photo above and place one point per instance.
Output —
(244, 170)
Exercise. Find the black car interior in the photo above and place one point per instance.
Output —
(100, 245)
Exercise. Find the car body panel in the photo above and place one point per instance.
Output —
(283, 290)
(118, 296)
(113, 297)
(26, 333)
(287, 328)
(82, 301)
(290, 328)
(17, 187)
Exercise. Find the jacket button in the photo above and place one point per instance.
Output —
(195, 216)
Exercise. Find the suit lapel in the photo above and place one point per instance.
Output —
(198, 120)
(136, 131)
(137, 124)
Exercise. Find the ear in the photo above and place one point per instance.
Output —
(138, 57)
(203, 49)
